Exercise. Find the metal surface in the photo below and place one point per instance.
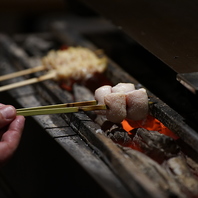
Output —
(189, 80)
(168, 29)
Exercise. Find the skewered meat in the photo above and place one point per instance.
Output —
(137, 104)
(75, 62)
(123, 101)
(116, 103)
(123, 87)
(101, 92)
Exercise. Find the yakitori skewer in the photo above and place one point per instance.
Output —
(22, 73)
(74, 63)
(120, 102)
(49, 75)
(63, 108)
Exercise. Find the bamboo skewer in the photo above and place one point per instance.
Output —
(49, 75)
(61, 108)
(22, 73)
(74, 104)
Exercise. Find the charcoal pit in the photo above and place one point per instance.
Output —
(110, 157)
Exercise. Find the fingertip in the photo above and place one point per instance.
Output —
(8, 112)
(20, 120)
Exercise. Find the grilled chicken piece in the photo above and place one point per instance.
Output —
(101, 92)
(123, 101)
(137, 104)
(116, 103)
(123, 87)
(76, 62)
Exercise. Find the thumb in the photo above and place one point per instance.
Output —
(7, 114)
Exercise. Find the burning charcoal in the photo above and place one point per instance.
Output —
(114, 131)
(105, 124)
(155, 173)
(158, 146)
(120, 136)
(193, 165)
(178, 169)
(101, 120)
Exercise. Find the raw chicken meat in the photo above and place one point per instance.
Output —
(137, 104)
(123, 87)
(116, 103)
(123, 101)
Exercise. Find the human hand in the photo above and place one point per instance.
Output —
(11, 128)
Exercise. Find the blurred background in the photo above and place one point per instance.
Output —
(22, 16)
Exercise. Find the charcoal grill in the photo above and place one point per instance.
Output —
(114, 167)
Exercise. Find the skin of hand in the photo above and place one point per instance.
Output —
(11, 128)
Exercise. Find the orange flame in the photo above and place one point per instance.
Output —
(150, 123)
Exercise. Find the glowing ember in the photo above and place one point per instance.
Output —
(63, 47)
(150, 123)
